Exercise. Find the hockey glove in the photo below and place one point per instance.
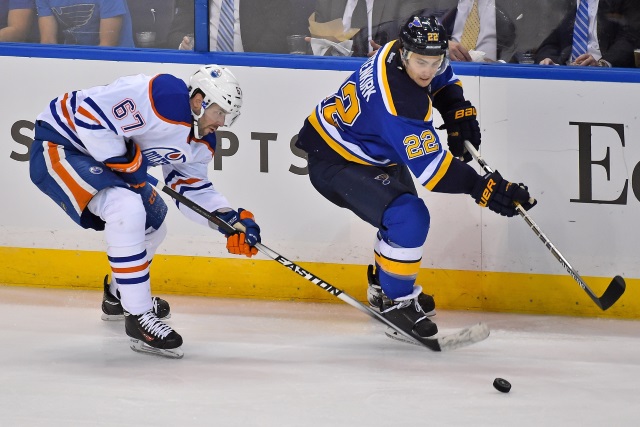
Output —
(501, 195)
(242, 242)
(131, 166)
(461, 125)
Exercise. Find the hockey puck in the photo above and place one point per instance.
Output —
(502, 385)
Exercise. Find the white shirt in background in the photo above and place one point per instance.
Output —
(487, 38)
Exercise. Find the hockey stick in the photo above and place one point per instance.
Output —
(464, 337)
(617, 286)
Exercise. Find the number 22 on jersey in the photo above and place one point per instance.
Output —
(419, 146)
(346, 108)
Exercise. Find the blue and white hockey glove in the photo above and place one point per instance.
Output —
(241, 243)
(131, 166)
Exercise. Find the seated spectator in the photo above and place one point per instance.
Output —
(492, 38)
(368, 23)
(151, 21)
(252, 26)
(85, 22)
(610, 32)
(16, 19)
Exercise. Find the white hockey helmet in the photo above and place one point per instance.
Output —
(218, 86)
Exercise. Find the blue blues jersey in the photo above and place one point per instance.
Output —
(7, 5)
(79, 21)
(380, 116)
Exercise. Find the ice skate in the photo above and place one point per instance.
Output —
(112, 309)
(150, 335)
(406, 313)
(376, 296)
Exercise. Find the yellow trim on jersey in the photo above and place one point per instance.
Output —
(335, 146)
(427, 118)
(444, 167)
(383, 82)
(399, 268)
(459, 83)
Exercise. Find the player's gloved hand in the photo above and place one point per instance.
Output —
(241, 243)
(500, 195)
(131, 166)
(461, 124)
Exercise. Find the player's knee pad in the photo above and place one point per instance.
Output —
(406, 222)
(124, 215)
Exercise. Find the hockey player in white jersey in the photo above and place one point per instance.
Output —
(90, 155)
(365, 141)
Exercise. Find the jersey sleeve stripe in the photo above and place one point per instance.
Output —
(63, 126)
(179, 182)
(65, 112)
(103, 116)
(383, 81)
(82, 113)
(441, 168)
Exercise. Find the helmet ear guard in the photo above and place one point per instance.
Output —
(425, 36)
(217, 86)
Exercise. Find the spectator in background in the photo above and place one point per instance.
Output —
(494, 33)
(85, 22)
(612, 30)
(253, 25)
(16, 19)
(378, 21)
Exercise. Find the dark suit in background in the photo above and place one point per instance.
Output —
(387, 18)
(618, 34)
(264, 25)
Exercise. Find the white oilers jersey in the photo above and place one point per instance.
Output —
(153, 112)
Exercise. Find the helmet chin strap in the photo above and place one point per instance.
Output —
(196, 117)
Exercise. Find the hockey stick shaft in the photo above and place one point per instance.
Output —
(432, 344)
(617, 286)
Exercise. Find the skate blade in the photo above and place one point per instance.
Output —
(112, 317)
(141, 347)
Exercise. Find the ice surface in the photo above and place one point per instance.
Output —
(264, 363)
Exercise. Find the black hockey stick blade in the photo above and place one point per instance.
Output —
(616, 287)
(462, 338)
(612, 294)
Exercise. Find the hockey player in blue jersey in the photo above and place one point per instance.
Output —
(364, 142)
(90, 155)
